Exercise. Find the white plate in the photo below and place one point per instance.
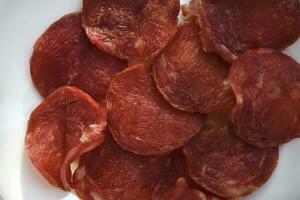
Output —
(21, 22)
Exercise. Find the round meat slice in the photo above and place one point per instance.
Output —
(132, 30)
(67, 124)
(139, 118)
(112, 173)
(266, 84)
(223, 164)
(231, 27)
(190, 79)
(63, 55)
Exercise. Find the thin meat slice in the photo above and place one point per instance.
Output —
(190, 79)
(231, 27)
(65, 125)
(223, 164)
(112, 173)
(141, 120)
(179, 184)
(132, 30)
(63, 55)
(266, 84)
(185, 184)
(183, 191)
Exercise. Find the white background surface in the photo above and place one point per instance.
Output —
(21, 22)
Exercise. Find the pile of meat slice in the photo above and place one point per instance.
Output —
(200, 115)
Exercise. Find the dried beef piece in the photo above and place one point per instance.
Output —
(65, 125)
(223, 164)
(112, 173)
(139, 118)
(231, 27)
(63, 55)
(132, 30)
(266, 84)
(190, 79)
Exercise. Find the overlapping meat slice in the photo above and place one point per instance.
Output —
(141, 120)
(190, 79)
(67, 124)
(63, 55)
(182, 191)
(185, 188)
(112, 173)
(266, 84)
(231, 27)
(132, 30)
(223, 164)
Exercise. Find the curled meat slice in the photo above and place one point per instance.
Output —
(266, 84)
(112, 173)
(223, 164)
(190, 79)
(141, 120)
(63, 55)
(132, 30)
(65, 125)
(231, 27)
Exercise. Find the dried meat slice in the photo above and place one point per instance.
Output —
(231, 27)
(132, 30)
(141, 120)
(63, 55)
(183, 191)
(266, 84)
(223, 164)
(177, 171)
(190, 79)
(112, 173)
(65, 125)
(185, 184)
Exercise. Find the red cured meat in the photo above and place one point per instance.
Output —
(63, 56)
(190, 79)
(182, 191)
(223, 164)
(231, 27)
(185, 187)
(140, 119)
(132, 30)
(67, 124)
(266, 84)
(111, 173)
